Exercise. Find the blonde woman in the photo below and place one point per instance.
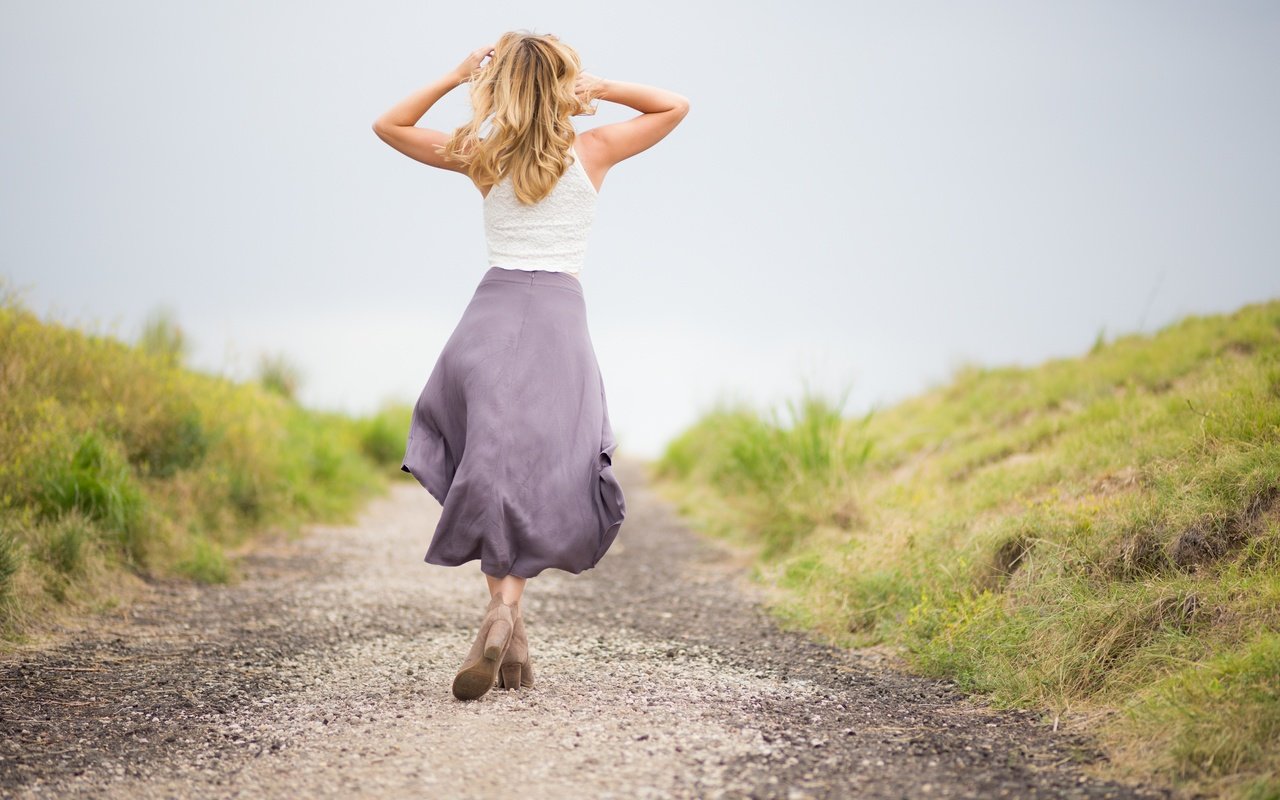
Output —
(511, 433)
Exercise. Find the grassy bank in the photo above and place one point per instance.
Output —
(1096, 536)
(117, 464)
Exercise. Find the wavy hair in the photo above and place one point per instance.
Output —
(526, 92)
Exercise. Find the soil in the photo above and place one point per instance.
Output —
(326, 671)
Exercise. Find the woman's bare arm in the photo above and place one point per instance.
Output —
(661, 111)
(398, 126)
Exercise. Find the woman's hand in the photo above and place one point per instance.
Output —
(589, 87)
(472, 63)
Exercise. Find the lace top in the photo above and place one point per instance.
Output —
(550, 234)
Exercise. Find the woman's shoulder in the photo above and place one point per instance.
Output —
(588, 147)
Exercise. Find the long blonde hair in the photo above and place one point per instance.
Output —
(527, 86)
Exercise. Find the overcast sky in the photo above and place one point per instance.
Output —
(863, 194)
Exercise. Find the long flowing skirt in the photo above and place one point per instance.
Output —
(511, 433)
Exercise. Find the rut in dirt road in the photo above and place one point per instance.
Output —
(327, 671)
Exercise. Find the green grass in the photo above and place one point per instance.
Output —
(117, 462)
(1098, 536)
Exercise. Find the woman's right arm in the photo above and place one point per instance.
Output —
(661, 111)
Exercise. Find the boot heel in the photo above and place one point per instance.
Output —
(496, 642)
(511, 676)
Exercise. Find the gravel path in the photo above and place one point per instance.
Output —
(326, 672)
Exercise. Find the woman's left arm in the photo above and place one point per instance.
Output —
(398, 126)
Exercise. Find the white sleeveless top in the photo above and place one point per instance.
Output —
(550, 234)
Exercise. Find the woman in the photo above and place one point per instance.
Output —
(511, 433)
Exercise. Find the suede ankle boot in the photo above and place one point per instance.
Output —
(516, 671)
(480, 669)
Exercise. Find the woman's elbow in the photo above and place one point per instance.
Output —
(384, 131)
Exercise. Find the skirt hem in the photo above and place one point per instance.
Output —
(497, 573)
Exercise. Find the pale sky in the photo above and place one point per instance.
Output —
(863, 193)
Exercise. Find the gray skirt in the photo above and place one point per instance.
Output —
(511, 433)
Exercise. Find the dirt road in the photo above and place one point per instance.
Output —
(326, 672)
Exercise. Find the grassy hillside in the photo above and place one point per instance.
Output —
(1097, 536)
(118, 463)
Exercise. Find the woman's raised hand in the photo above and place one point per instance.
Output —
(472, 63)
(588, 86)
